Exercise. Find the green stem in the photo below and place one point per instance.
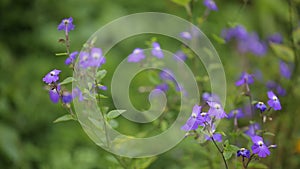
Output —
(120, 161)
(221, 152)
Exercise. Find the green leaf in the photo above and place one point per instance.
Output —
(283, 52)
(229, 150)
(181, 2)
(100, 74)
(66, 117)
(269, 133)
(67, 80)
(218, 39)
(114, 113)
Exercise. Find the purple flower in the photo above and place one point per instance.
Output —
(84, 59)
(96, 58)
(238, 32)
(252, 129)
(236, 114)
(216, 110)
(137, 55)
(52, 76)
(253, 44)
(66, 25)
(186, 35)
(180, 56)
(217, 137)
(102, 87)
(210, 4)
(162, 87)
(275, 38)
(208, 97)
(271, 85)
(259, 147)
(156, 51)
(71, 58)
(261, 106)
(54, 94)
(192, 123)
(285, 70)
(203, 118)
(243, 152)
(77, 93)
(245, 78)
(166, 74)
(66, 97)
(273, 101)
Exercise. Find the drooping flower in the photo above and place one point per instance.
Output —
(210, 4)
(66, 25)
(271, 85)
(285, 70)
(167, 74)
(102, 87)
(216, 110)
(66, 97)
(237, 113)
(204, 119)
(245, 78)
(210, 97)
(275, 38)
(186, 35)
(259, 147)
(216, 136)
(261, 106)
(162, 87)
(156, 51)
(54, 94)
(137, 55)
(252, 129)
(71, 58)
(77, 93)
(193, 122)
(243, 152)
(84, 59)
(52, 76)
(273, 101)
(238, 32)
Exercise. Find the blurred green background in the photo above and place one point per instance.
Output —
(28, 42)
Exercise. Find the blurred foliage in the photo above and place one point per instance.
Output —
(28, 41)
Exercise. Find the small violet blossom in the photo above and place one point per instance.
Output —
(245, 78)
(252, 129)
(71, 58)
(180, 56)
(66, 97)
(275, 38)
(236, 114)
(52, 76)
(54, 94)
(193, 123)
(271, 85)
(243, 152)
(285, 70)
(210, 4)
(216, 136)
(137, 55)
(261, 106)
(66, 25)
(163, 87)
(259, 147)
(156, 51)
(77, 93)
(273, 101)
(186, 35)
(216, 110)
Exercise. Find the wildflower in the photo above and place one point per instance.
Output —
(245, 78)
(275, 38)
(259, 147)
(217, 137)
(167, 74)
(210, 4)
(180, 56)
(136, 56)
(243, 152)
(271, 85)
(66, 25)
(253, 44)
(156, 51)
(236, 114)
(210, 97)
(192, 123)
(185, 35)
(162, 87)
(66, 97)
(96, 58)
(285, 70)
(238, 32)
(203, 118)
(71, 58)
(102, 87)
(261, 106)
(273, 101)
(84, 59)
(216, 110)
(54, 94)
(77, 93)
(252, 129)
(52, 76)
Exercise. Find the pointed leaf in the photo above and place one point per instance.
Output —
(66, 117)
(114, 113)
(181, 2)
(67, 80)
(283, 52)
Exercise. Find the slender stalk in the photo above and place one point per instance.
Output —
(221, 152)
(120, 161)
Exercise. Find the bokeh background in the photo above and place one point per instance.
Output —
(29, 41)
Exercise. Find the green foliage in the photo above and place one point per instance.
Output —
(63, 118)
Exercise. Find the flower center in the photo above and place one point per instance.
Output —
(260, 143)
(52, 73)
(217, 106)
(203, 114)
(242, 149)
(96, 55)
(274, 98)
(260, 103)
(136, 51)
(66, 21)
(194, 115)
